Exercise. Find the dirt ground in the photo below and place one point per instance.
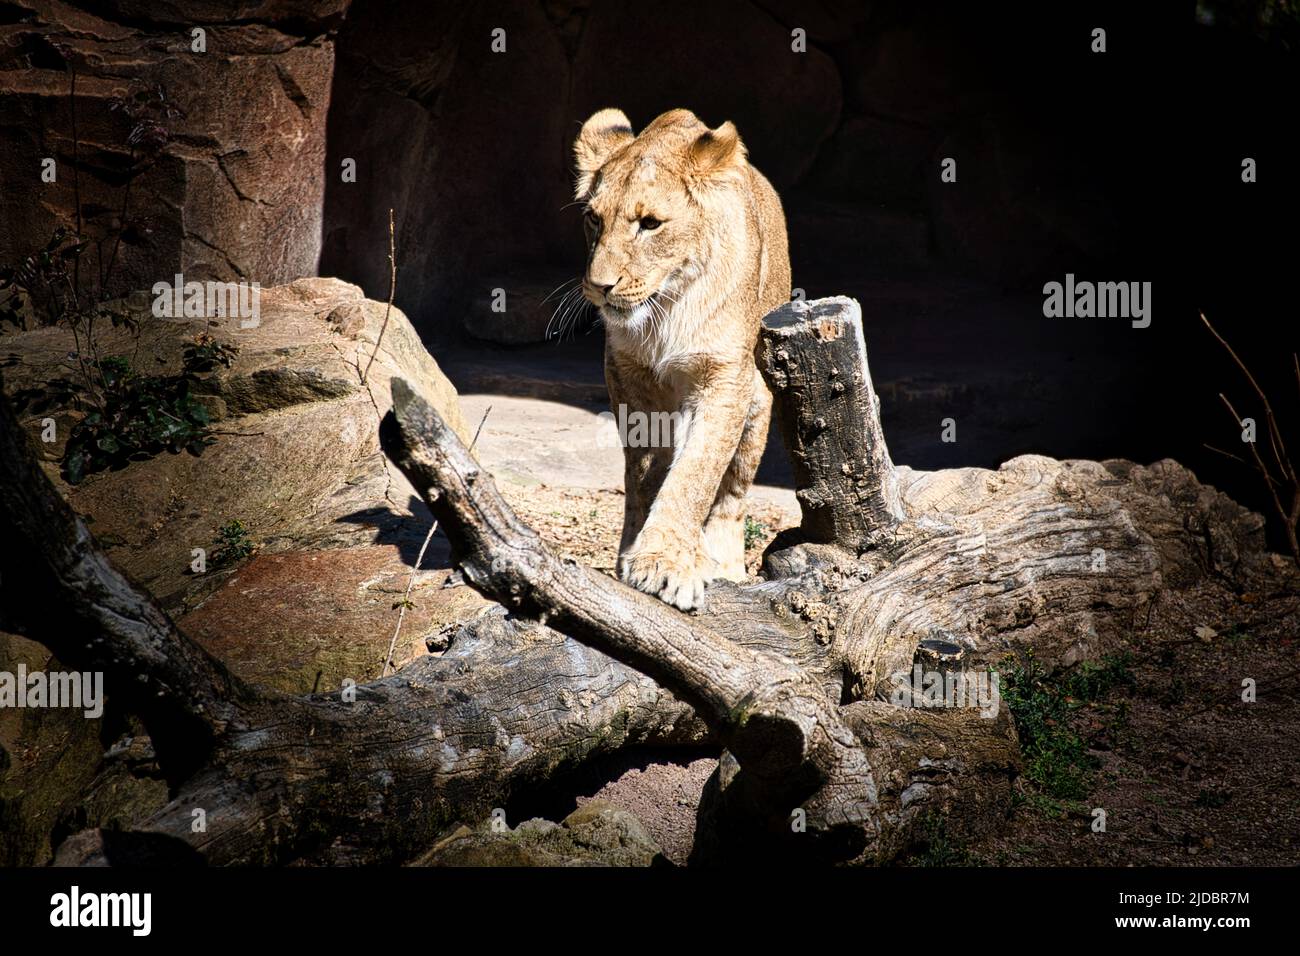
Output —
(1185, 771)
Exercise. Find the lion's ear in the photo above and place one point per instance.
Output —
(605, 132)
(717, 150)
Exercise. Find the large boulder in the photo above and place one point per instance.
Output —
(61, 772)
(334, 528)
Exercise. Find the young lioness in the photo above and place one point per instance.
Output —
(686, 253)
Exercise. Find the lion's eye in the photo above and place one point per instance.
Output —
(650, 223)
(592, 220)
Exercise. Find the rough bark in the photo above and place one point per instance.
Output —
(791, 747)
(955, 765)
(321, 778)
(326, 781)
(771, 714)
(814, 358)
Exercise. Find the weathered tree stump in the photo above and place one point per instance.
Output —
(814, 358)
(802, 679)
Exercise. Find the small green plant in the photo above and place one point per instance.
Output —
(1057, 761)
(1093, 680)
(937, 847)
(1236, 634)
(232, 544)
(754, 532)
(131, 417)
(205, 353)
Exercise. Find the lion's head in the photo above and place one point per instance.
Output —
(660, 207)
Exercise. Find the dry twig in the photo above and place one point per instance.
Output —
(392, 290)
(1286, 481)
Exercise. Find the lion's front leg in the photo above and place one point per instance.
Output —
(724, 529)
(671, 564)
(668, 558)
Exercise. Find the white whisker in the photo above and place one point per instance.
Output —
(560, 315)
(554, 291)
(571, 308)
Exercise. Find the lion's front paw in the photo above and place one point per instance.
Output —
(671, 571)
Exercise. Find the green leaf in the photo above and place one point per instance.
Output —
(73, 465)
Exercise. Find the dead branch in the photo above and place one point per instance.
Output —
(790, 747)
(1289, 482)
(419, 559)
(372, 777)
(773, 716)
(392, 291)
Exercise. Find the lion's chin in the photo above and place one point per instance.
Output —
(626, 315)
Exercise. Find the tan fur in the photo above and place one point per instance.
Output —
(681, 305)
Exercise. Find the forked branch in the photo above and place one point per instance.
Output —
(1284, 487)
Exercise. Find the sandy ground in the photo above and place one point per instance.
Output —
(560, 467)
